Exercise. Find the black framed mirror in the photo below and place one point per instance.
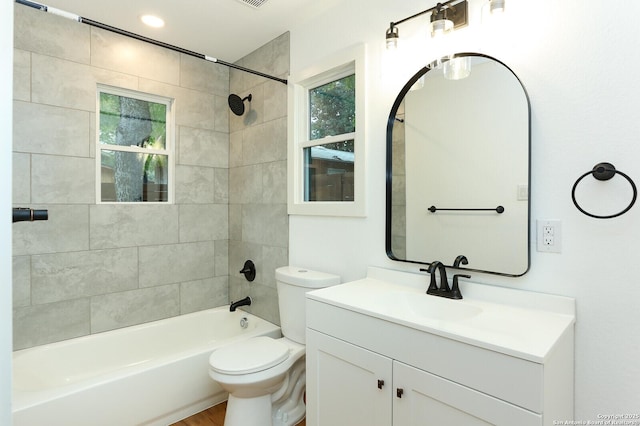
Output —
(458, 167)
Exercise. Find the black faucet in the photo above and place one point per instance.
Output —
(444, 285)
(243, 302)
(444, 290)
(455, 290)
(460, 259)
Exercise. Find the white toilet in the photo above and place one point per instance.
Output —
(265, 377)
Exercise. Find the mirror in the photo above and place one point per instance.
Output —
(458, 145)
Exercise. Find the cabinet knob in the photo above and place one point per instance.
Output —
(399, 392)
(380, 383)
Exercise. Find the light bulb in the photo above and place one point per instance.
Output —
(440, 22)
(441, 26)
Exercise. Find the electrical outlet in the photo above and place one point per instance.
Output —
(549, 236)
(523, 192)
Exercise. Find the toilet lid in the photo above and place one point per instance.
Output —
(249, 356)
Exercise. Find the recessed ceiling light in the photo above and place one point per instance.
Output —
(152, 21)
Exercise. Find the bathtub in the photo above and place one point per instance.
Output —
(149, 374)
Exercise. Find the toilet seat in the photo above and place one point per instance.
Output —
(249, 356)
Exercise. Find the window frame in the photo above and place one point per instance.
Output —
(169, 150)
(347, 62)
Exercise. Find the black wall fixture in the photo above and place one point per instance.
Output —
(29, 215)
(249, 270)
(236, 103)
(498, 209)
(603, 172)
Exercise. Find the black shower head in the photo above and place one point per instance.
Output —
(236, 103)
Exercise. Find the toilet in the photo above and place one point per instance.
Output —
(265, 377)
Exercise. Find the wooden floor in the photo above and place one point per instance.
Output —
(214, 416)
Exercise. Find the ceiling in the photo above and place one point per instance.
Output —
(223, 29)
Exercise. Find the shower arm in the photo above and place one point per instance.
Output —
(126, 33)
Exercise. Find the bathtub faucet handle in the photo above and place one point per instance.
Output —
(249, 270)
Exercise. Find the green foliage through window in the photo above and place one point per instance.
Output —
(129, 129)
(332, 109)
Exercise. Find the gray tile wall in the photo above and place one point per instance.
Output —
(258, 220)
(92, 268)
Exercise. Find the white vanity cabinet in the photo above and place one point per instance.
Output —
(353, 386)
(423, 398)
(367, 366)
(349, 385)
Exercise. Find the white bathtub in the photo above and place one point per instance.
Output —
(150, 374)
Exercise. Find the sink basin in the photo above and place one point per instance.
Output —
(428, 307)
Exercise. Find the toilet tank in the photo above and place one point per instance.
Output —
(292, 283)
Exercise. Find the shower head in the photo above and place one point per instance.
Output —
(236, 103)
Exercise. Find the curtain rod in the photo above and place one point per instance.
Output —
(120, 31)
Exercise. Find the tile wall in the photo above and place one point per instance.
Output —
(92, 268)
(258, 220)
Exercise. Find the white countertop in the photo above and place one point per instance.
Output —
(514, 322)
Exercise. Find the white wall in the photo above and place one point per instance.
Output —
(6, 108)
(579, 66)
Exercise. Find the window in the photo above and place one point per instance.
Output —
(134, 151)
(328, 168)
(326, 134)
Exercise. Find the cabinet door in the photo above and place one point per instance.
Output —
(346, 385)
(428, 400)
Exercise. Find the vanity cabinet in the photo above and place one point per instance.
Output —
(428, 399)
(348, 385)
(351, 386)
(374, 359)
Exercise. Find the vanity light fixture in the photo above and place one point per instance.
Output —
(445, 17)
(152, 21)
(392, 37)
(440, 22)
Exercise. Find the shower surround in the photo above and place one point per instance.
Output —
(97, 267)
(258, 220)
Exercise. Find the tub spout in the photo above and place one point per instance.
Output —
(243, 302)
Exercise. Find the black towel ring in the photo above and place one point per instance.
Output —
(604, 171)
